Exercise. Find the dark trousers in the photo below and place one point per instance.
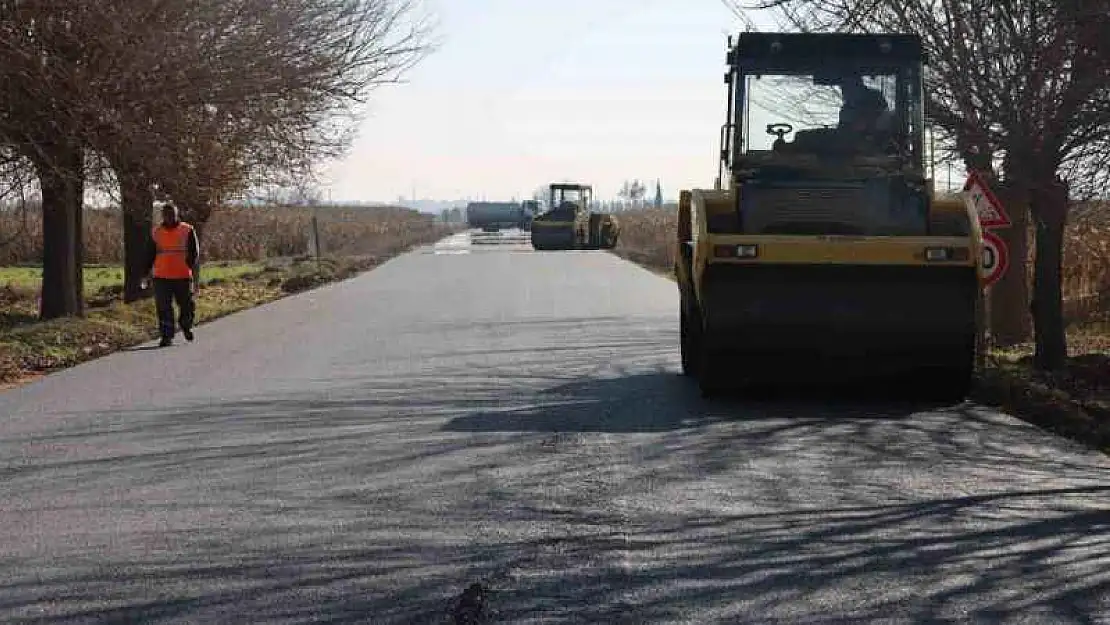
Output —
(166, 292)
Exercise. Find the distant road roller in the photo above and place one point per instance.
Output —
(830, 249)
(570, 224)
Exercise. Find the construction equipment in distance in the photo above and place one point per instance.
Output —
(493, 216)
(570, 224)
(830, 249)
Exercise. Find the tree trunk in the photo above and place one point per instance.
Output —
(138, 204)
(60, 169)
(1050, 206)
(1009, 297)
(78, 193)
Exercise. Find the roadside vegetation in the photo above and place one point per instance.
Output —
(251, 256)
(1073, 400)
(201, 102)
(210, 104)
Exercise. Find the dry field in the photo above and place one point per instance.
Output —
(648, 236)
(236, 233)
(1087, 264)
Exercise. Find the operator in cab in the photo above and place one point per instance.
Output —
(864, 110)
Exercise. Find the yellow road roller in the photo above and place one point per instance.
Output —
(826, 252)
(570, 224)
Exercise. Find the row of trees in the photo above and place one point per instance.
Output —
(636, 192)
(189, 100)
(1019, 91)
(453, 215)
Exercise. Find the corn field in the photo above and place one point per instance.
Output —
(648, 236)
(238, 233)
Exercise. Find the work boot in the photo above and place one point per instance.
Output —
(188, 334)
(165, 342)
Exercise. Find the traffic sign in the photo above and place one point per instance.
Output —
(986, 204)
(996, 258)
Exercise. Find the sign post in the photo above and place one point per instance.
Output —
(996, 256)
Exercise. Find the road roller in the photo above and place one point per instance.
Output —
(570, 223)
(822, 248)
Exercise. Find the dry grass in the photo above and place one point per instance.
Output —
(648, 236)
(236, 233)
(1074, 403)
(1087, 265)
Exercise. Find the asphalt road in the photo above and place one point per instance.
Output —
(483, 413)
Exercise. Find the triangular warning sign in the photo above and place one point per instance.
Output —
(986, 205)
(985, 209)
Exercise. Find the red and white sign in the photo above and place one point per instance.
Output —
(986, 205)
(996, 258)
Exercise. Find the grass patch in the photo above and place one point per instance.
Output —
(102, 277)
(1074, 403)
(29, 347)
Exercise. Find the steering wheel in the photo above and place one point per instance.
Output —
(779, 130)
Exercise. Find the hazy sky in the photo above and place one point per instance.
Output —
(524, 92)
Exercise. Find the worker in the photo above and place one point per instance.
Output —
(864, 109)
(174, 253)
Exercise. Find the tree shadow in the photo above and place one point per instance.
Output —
(948, 559)
(574, 487)
(664, 400)
(933, 561)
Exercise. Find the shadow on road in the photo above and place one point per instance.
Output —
(585, 484)
(934, 561)
(665, 400)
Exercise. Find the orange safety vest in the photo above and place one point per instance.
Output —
(172, 245)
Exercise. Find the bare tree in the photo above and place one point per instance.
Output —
(17, 179)
(633, 191)
(261, 92)
(1020, 89)
(196, 97)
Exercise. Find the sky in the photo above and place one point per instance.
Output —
(521, 93)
